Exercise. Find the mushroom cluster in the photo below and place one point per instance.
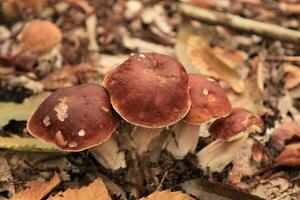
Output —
(152, 92)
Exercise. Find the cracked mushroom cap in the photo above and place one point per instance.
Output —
(40, 36)
(209, 100)
(149, 90)
(74, 118)
(237, 121)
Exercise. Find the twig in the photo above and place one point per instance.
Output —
(284, 58)
(260, 28)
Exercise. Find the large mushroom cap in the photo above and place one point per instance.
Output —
(149, 90)
(40, 36)
(74, 118)
(239, 120)
(209, 100)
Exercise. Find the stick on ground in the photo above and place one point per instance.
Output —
(260, 28)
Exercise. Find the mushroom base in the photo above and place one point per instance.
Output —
(109, 155)
(185, 139)
(143, 137)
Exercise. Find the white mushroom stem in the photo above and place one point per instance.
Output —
(143, 137)
(91, 24)
(185, 139)
(109, 155)
(218, 154)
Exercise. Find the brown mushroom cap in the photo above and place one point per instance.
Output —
(237, 121)
(74, 118)
(149, 90)
(40, 36)
(209, 100)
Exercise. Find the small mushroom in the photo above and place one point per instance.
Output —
(231, 132)
(209, 102)
(78, 118)
(149, 90)
(40, 36)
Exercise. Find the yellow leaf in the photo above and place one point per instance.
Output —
(38, 190)
(94, 191)
(194, 52)
(167, 195)
(20, 111)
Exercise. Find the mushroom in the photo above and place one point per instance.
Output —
(209, 102)
(40, 36)
(77, 118)
(150, 91)
(232, 133)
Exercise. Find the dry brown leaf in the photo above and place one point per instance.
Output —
(167, 195)
(193, 50)
(293, 78)
(94, 191)
(290, 156)
(286, 131)
(251, 98)
(231, 57)
(38, 190)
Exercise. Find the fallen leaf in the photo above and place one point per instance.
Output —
(206, 190)
(193, 50)
(38, 190)
(293, 78)
(20, 112)
(27, 144)
(282, 133)
(290, 156)
(233, 58)
(166, 195)
(94, 191)
(7, 185)
(251, 98)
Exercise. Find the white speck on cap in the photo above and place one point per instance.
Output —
(81, 133)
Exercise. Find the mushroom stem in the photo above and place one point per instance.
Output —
(185, 139)
(109, 155)
(218, 154)
(143, 137)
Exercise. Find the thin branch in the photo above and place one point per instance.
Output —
(260, 28)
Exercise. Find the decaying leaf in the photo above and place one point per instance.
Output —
(20, 112)
(293, 78)
(166, 195)
(38, 190)
(208, 190)
(6, 177)
(276, 188)
(285, 131)
(94, 191)
(287, 110)
(193, 50)
(290, 156)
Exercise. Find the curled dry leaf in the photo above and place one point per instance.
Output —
(38, 190)
(290, 156)
(166, 195)
(286, 131)
(292, 79)
(94, 191)
(193, 50)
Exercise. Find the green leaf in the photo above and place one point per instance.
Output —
(20, 111)
(27, 144)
